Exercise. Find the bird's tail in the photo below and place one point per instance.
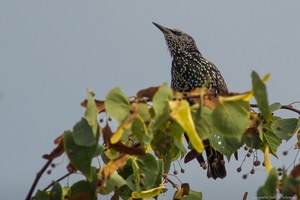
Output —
(216, 164)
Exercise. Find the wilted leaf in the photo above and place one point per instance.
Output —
(181, 113)
(285, 128)
(114, 165)
(126, 124)
(58, 151)
(260, 94)
(269, 188)
(296, 171)
(99, 105)
(117, 105)
(231, 118)
(267, 160)
(148, 93)
(148, 193)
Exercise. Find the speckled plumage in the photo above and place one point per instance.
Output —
(189, 68)
(189, 71)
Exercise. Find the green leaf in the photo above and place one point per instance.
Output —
(125, 192)
(99, 150)
(260, 94)
(231, 118)
(143, 111)
(114, 182)
(139, 130)
(153, 192)
(269, 138)
(82, 190)
(117, 105)
(181, 113)
(164, 148)
(80, 156)
(83, 134)
(91, 114)
(161, 106)
(203, 121)
(225, 145)
(193, 195)
(285, 128)
(42, 195)
(56, 192)
(146, 171)
(268, 190)
(275, 106)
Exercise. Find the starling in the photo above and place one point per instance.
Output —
(189, 71)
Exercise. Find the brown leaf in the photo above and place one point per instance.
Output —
(99, 104)
(185, 189)
(114, 165)
(107, 133)
(58, 151)
(245, 196)
(119, 146)
(191, 155)
(115, 196)
(80, 196)
(148, 93)
(296, 171)
(71, 168)
(122, 148)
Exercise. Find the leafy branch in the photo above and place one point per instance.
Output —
(135, 157)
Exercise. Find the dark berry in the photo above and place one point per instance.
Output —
(239, 169)
(252, 171)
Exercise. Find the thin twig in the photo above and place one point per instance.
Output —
(285, 107)
(37, 178)
(56, 181)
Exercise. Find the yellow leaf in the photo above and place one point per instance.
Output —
(266, 78)
(182, 114)
(125, 125)
(268, 164)
(245, 97)
(148, 193)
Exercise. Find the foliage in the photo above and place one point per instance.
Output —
(134, 158)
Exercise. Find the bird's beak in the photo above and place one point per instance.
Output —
(163, 29)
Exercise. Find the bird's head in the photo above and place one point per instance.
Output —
(178, 42)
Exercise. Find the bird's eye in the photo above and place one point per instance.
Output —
(178, 33)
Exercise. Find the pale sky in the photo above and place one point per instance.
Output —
(51, 52)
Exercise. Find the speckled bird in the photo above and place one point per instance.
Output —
(189, 71)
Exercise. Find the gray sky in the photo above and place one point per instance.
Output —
(52, 51)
